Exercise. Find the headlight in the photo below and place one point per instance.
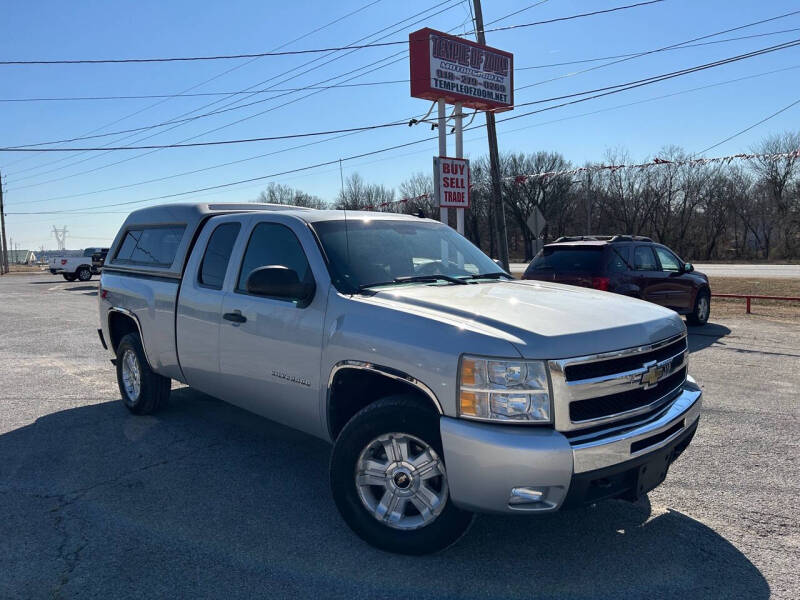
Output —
(504, 390)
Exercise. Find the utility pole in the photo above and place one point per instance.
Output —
(499, 214)
(4, 256)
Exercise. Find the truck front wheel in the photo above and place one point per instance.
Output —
(143, 391)
(389, 480)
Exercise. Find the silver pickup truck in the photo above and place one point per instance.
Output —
(446, 386)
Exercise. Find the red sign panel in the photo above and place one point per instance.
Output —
(450, 67)
(451, 181)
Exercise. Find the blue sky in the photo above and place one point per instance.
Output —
(150, 28)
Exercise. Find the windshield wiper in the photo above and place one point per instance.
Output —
(495, 275)
(413, 279)
(448, 278)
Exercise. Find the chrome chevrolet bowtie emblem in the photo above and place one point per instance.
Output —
(652, 375)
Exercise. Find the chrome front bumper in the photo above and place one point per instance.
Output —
(486, 462)
(612, 450)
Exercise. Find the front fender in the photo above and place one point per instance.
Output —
(419, 346)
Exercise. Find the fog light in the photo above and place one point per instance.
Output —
(525, 495)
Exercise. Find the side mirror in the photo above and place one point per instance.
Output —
(277, 281)
(498, 262)
(688, 267)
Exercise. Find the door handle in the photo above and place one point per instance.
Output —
(236, 317)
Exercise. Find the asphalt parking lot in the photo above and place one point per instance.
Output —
(207, 501)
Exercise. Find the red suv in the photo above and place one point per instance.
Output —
(630, 265)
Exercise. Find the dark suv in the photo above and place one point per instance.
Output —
(630, 265)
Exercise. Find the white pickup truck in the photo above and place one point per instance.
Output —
(76, 267)
(446, 386)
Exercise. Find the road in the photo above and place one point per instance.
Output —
(204, 500)
(724, 270)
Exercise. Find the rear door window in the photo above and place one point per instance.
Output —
(218, 255)
(644, 259)
(618, 258)
(569, 259)
(152, 246)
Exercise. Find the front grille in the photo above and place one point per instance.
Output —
(604, 406)
(626, 363)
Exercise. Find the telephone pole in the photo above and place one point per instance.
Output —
(498, 214)
(4, 255)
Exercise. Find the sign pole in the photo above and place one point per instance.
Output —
(459, 118)
(4, 245)
(442, 148)
(499, 216)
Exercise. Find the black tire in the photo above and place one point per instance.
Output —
(153, 388)
(84, 273)
(69, 276)
(701, 311)
(402, 414)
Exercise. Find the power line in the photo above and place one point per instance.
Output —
(217, 76)
(250, 94)
(679, 45)
(354, 157)
(635, 84)
(662, 49)
(404, 53)
(650, 80)
(232, 183)
(213, 143)
(627, 85)
(540, 124)
(200, 94)
(569, 18)
(753, 126)
(85, 61)
(368, 83)
(511, 14)
(642, 53)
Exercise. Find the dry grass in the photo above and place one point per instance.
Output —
(24, 268)
(773, 309)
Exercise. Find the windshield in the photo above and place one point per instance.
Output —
(568, 259)
(363, 252)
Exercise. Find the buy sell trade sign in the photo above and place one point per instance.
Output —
(451, 181)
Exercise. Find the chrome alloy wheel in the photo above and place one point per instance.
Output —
(703, 308)
(131, 375)
(401, 481)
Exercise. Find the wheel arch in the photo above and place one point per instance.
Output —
(353, 385)
(121, 322)
(703, 287)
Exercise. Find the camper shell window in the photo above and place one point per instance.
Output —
(151, 246)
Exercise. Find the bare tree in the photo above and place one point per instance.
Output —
(357, 194)
(777, 182)
(417, 191)
(277, 193)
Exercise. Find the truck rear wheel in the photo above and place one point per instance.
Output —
(389, 480)
(69, 276)
(143, 391)
(84, 273)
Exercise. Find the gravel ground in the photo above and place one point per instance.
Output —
(207, 501)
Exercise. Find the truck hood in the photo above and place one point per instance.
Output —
(542, 320)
